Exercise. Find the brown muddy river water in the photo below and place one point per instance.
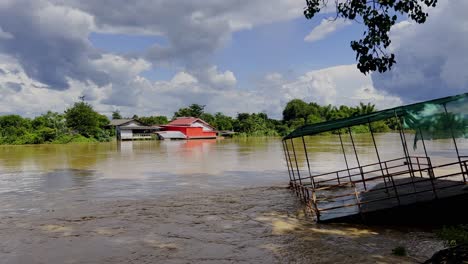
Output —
(200, 201)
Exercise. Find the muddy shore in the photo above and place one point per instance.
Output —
(250, 225)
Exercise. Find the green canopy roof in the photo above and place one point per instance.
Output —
(415, 112)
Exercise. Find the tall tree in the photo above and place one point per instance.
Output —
(378, 16)
(194, 110)
(82, 118)
(116, 115)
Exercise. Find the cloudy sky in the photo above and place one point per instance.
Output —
(151, 57)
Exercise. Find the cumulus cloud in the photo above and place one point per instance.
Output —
(19, 94)
(50, 42)
(326, 27)
(49, 39)
(49, 59)
(213, 77)
(431, 58)
(124, 74)
(193, 29)
(336, 85)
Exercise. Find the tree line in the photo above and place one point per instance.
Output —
(81, 123)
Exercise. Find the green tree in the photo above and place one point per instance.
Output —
(15, 130)
(50, 126)
(116, 115)
(153, 120)
(222, 122)
(296, 109)
(194, 110)
(82, 119)
(378, 17)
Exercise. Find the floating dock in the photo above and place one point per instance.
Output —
(406, 189)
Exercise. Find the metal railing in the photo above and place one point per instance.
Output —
(377, 186)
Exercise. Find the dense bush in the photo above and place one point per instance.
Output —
(80, 123)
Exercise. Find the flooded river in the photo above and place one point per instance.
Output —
(203, 201)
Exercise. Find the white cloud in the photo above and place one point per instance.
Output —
(4, 34)
(50, 42)
(51, 60)
(183, 78)
(326, 27)
(137, 95)
(211, 76)
(431, 57)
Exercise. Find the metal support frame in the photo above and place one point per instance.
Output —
(378, 155)
(298, 173)
(357, 158)
(405, 149)
(344, 155)
(308, 164)
(454, 142)
(292, 169)
(287, 164)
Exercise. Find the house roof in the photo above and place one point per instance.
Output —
(155, 128)
(119, 122)
(187, 121)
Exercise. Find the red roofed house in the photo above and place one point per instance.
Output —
(191, 127)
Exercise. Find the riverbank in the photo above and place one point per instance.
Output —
(250, 225)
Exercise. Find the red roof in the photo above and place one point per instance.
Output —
(187, 121)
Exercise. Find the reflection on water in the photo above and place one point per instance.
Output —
(34, 176)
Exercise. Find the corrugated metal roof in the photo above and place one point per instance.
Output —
(141, 127)
(118, 122)
(187, 121)
(171, 135)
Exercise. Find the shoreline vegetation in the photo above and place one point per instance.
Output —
(82, 124)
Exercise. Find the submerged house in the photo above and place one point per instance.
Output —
(130, 129)
(187, 128)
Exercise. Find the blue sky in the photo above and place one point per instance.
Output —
(152, 57)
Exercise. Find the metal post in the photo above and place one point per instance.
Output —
(430, 171)
(405, 149)
(455, 143)
(393, 183)
(297, 167)
(424, 144)
(357, 158)
(344, 155)
(308, 164)
(287, 164)
(292, 169)
(378, 156)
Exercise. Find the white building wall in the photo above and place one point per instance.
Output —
(200, 124)
(126, 134)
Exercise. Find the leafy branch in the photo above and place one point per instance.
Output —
(378, 16)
